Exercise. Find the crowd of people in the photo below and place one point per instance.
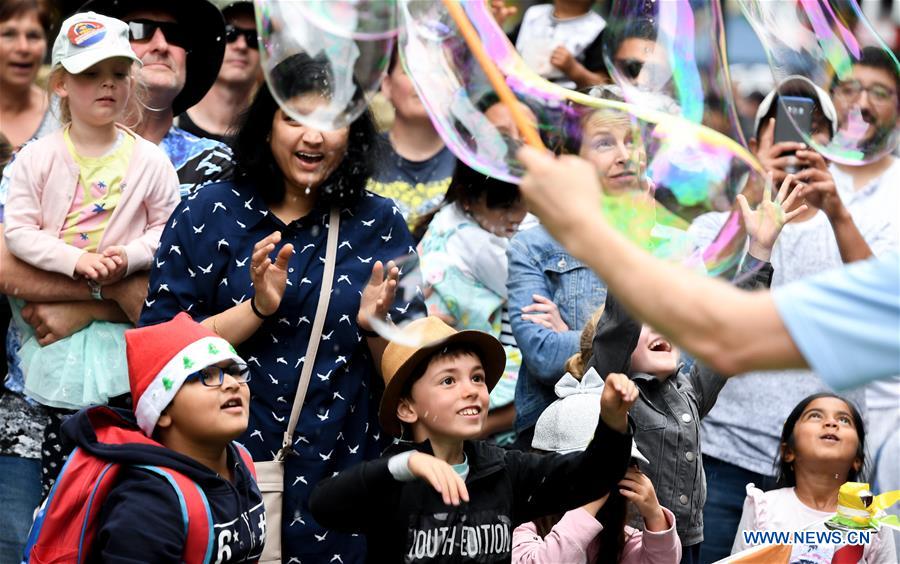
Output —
(181, 260)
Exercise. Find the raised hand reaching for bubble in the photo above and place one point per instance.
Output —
(765, 223)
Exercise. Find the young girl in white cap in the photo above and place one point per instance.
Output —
(89, 201)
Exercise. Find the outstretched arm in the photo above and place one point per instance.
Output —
(731, 330)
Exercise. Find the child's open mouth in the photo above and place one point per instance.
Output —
(830, 437)
(470, 411)
(234, 404)
(660, 345)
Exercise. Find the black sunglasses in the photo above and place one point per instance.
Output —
(631, 68)
(232, 33)
(143, 30)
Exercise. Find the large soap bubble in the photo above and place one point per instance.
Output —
(631, 145)
(357, 19)
(815, 40)
(351, 54)
(689, 168)
(671, 56)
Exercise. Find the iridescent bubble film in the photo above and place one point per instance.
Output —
(814, 39)
(317, 71)
(659, 171)
(356, 19)
(671, 55)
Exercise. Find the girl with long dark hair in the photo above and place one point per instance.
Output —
(823, 445)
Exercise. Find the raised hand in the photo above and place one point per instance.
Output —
(378, 295)
(563, 192)
(269, 278)
(619, 394)
(440, 475)
(637, 488)
(544, 312)
(765, 223)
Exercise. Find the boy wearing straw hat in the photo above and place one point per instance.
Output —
(441, 495)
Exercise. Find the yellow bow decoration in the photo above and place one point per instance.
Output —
(859, 508)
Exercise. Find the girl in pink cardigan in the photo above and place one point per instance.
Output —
(597, 531)
(90, 202)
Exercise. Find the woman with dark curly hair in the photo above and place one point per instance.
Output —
(247, 259)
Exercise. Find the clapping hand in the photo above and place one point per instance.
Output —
(378, 295)
(269, 278)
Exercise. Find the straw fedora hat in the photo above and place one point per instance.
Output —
(399, 362)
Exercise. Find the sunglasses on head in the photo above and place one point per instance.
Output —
(143, 30)
(232, 33)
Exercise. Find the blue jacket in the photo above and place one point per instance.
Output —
(539, 265)
(141, 520)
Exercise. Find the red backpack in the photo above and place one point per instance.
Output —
(66, 523)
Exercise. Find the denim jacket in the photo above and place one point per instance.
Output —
(667, 414)
(539, 265)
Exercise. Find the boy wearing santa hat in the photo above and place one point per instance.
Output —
(191, 400)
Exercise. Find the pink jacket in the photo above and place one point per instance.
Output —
(42, 189)
(573, 540)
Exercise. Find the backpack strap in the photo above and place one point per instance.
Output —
(245, 456)
(52, 537)
(195, 513)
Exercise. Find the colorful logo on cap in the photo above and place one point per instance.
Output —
(85, 34)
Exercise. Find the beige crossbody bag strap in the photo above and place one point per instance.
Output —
(316, 335)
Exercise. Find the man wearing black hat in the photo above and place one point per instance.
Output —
(179, 67)
(181, 43)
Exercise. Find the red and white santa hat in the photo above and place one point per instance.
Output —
(162, 356)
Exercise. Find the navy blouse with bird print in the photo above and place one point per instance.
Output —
(203, 267)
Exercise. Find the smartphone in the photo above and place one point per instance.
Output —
(793, 120)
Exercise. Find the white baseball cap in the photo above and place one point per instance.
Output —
(797, 85)
(87, 38)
